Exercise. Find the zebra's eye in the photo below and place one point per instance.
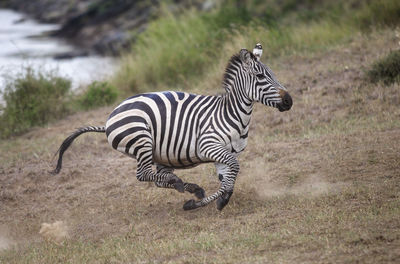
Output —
(260, 76)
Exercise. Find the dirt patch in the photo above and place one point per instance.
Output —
(55, 232)
(312, 180)
(313, 185)
(5, 241)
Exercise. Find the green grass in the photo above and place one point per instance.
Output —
(174, 49)
(378, 13)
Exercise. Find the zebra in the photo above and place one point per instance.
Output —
(177, 130)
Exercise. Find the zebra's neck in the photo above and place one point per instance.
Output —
(238, 108)
(236, 98)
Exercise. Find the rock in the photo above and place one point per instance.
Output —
(71, 54)
(113, 43)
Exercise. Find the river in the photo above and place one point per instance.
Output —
(23, 43)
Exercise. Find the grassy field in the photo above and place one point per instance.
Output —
(318, 184)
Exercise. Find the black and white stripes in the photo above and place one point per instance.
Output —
(180, 130)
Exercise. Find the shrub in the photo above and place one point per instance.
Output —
(32, 98)
(386, 69)
(98, 94)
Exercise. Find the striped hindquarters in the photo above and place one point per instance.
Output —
(170, 121)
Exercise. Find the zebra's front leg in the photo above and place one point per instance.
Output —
(222, 201)
(231, 169)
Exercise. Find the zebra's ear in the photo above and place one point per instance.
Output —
(245, 56)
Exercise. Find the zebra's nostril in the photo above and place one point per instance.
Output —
(287, 100)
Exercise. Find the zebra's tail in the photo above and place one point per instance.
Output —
(68, 141)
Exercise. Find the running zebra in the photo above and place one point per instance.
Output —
(176, 130)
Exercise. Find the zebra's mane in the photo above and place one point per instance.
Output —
(230, 69)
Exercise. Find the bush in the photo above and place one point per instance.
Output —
(386, 69)
(98, 94)
(33, 98)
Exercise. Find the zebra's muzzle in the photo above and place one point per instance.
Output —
(286, 103)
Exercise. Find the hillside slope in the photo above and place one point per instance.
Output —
(319, 183)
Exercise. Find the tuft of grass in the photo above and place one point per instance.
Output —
(33, 98)
(386, 69)
(98, 94)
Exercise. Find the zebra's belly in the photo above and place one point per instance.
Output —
(183, 159)
(237, 145)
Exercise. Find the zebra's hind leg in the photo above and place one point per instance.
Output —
(145, 172)
(195, 189)
(189, 187)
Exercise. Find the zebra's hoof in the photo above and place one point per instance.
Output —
(196, 190)
(223, 200)
(200, 193)
(179, 186)
(221, 203)
(190, 205)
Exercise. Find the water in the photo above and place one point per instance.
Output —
(22, 45)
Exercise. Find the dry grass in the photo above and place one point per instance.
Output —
(322, 187)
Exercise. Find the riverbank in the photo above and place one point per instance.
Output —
(24, 44)
(104, 26)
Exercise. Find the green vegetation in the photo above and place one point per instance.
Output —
(174, 49)
(378, 13)
(386, 69)
(36, 97)
(98, 94)
(32, 99)
(177, 52)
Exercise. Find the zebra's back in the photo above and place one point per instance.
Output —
(171, 121)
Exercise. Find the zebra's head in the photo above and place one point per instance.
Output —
(262, 85)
